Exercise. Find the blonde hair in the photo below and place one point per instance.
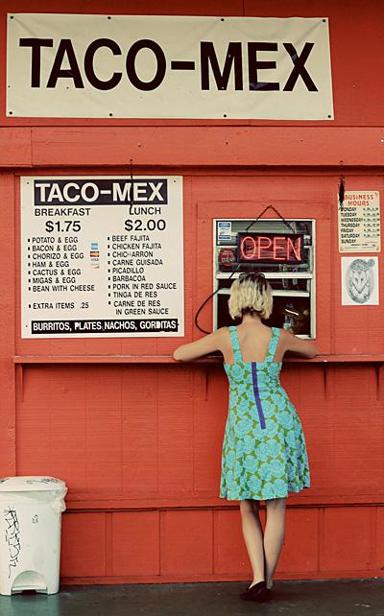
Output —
(250, 293)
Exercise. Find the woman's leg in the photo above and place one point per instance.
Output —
(273, 535)
(253, 537)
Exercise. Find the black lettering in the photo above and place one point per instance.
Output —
(36, 45)
(233, 58)
(299, 68)
(254, 65)
(131, 69)
(89, 68)
(65, 47)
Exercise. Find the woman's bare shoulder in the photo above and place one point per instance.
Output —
(223, 334)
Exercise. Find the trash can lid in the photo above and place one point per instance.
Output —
(30, 483)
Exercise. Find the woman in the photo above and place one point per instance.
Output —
(264, 453)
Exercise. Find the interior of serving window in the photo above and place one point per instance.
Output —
(284, 251)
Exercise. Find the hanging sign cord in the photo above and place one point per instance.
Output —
(341, 187)
(271, 207)
(211, 295)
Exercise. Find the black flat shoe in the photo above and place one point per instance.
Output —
(257, 592)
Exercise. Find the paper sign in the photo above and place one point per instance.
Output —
(359, 222)
(360, 281)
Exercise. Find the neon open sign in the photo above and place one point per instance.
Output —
(270, 248)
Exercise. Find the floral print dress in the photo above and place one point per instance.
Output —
(264, 453)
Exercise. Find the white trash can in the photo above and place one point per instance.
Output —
(30, 533)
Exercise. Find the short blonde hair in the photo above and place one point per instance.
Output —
(250, 293)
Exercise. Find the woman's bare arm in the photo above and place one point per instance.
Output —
(298, 345)
(203, 346)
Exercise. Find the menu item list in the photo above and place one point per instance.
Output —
(101, 257)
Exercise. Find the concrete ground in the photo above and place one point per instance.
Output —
(323, 598)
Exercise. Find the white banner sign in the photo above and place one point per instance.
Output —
(359, 221)
(155, 66)
(101, 257)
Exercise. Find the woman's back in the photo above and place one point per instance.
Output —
(248, 378)
(254, 343)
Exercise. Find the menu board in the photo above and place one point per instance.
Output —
(359, 222)
(101, 256)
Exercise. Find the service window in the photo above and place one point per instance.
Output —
(283, 250)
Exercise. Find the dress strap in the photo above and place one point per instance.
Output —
(273, 344)
(235, 343)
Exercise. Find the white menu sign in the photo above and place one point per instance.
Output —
(102, 256)
(359, 221)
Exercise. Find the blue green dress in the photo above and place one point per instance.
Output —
(264, 453)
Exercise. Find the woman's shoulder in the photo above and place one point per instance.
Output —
(223, 332)
(222, 338)
(284, 335)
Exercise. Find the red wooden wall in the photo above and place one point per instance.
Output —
(137, 437)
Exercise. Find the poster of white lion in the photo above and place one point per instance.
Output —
(360, 281)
